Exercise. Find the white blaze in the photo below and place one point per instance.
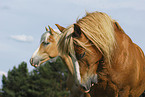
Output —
(77, 68)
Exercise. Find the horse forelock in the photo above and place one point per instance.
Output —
(46, 35)
(98, 28)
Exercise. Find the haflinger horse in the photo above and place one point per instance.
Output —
(48, 50)
(106, 61)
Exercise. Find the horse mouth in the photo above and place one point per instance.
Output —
(89, 84)
(36, 63)
(86, 90)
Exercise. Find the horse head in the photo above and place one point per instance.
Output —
(47, 48)
(90, 43)
(88, 56)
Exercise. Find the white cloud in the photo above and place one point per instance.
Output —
(22, 38)
(3, 73)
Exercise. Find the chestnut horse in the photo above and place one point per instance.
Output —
(106, 61)
(48, 50)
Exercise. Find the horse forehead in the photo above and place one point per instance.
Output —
(45, 37)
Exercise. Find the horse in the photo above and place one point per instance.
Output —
(106, 61)
(48, 50)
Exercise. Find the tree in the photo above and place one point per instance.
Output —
(15, 85)
(48, 80)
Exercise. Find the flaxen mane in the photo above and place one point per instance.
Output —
(98, 28)
(65, 44)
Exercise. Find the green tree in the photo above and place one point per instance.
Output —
(48, 80)
(15, 84)
(1, 92)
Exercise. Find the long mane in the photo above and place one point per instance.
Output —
(65, 44)
(98, 28)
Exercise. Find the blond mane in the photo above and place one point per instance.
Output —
(98, 28)
(65, 43)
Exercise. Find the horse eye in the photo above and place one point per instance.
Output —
(46, 43)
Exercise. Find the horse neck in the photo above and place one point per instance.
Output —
(66, 59)
(68, 62)
(117, 58)
(122, 49)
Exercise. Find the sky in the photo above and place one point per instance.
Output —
(22, 22)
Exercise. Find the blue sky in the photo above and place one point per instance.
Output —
(22, 23)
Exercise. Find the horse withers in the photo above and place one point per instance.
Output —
(106, 61)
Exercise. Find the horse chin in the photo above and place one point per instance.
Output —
(43, 61)
(37, 65)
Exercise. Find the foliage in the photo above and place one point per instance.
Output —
(48, 80)
(15, 84)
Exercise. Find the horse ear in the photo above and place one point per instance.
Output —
(117, 26)
(51, 31)
(46, 29)
(60, 27)
(77, 31)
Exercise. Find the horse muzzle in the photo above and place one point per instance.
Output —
(35, 61)
(89, 83)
